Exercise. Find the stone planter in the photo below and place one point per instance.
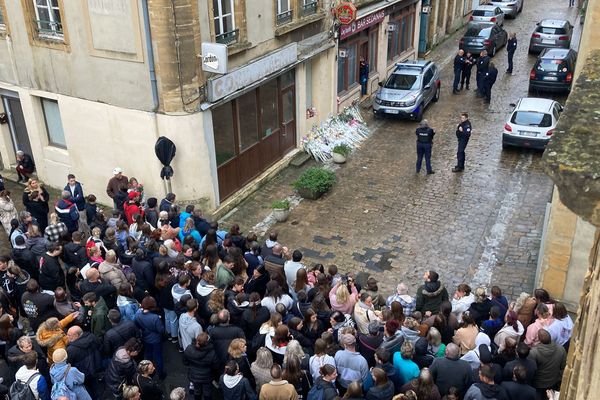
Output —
(281, 214)
(309, 194)
(338, 158)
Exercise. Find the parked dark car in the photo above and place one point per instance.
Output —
(553, 71)
(483, 36)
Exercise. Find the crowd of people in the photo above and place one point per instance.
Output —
(90, 303)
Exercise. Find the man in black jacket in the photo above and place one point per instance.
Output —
(93, 283)
(486, 389)
(25, 258)
(222, 335)
(52, 274)
(74, 253)
(459, 63)
(451, 371)
(463, 134)
(38, 306)
(84, 354)
(424, 144)
(488, 81)
(482, 67)
(119, 334)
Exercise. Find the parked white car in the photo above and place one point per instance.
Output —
(492, 14)
(510, 7)
(531, 123)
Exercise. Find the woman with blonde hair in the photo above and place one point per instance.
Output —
(8, 211)
(131, 393)
(35, 200)
(340, 297)
(480, 309)
(435, 347)
(524, 306)
(55, 230)
(237, 352)
(261, 368)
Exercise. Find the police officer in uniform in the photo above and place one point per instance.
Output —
(424, 143)
(511, 47)
(459, 62)
(463, 133)
(482, 67)
(488, 81)
(466, 72)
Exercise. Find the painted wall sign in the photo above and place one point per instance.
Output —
(246, 75)
(363, 23)
(345, 12)
(214, 58)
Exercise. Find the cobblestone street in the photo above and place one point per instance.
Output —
(482, 226)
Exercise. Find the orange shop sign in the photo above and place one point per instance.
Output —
(363, 23)
(345, 12)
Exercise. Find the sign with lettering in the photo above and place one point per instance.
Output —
(214, 58)
(248, 74)
(345, 12)
(363, 23)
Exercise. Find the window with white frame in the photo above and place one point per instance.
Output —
(284, 11)
(47, 18)
(54, 127)
(224, 20)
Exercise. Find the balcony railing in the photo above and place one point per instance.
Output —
(228, 37)
(49, 29)
(284, 17)
(309, 8)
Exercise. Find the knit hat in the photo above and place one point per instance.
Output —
(484, 354)
(59, 355)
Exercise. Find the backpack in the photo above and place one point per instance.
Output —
(60, 388)
(317, 392)
(21, 390)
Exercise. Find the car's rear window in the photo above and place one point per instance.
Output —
(532, 118)
(551, 65)
(483, 13)
(402, 82)
(551, 31)
(477, 31)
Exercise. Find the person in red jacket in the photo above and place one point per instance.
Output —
(132, 206)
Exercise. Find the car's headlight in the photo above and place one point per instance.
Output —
(378, 100)
(409, 103)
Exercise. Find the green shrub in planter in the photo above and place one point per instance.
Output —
(342, 149)
(315, 180)
(281, 204)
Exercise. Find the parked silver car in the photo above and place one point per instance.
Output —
(488, 14)
(408, 90)
(551, 33)
(510, 7)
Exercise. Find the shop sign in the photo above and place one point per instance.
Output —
(363, 23)
(255, 71)
(214, 58)
(345, 12)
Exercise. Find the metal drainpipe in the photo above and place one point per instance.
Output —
(150, 52)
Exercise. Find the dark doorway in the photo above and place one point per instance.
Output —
(16, 123)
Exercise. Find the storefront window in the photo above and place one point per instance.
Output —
(348, 67)
(247, 120)
(287, 79)
(223, 129)
(400, 39)
(372, 50)
(269, 109)
(287, 100)
(342, 83)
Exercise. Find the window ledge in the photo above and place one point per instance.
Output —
(52, 43)
(299, 23)
(235, 48)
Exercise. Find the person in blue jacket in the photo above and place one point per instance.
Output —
(153, 328)
(189, 228)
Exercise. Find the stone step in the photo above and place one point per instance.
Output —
(300, 159)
